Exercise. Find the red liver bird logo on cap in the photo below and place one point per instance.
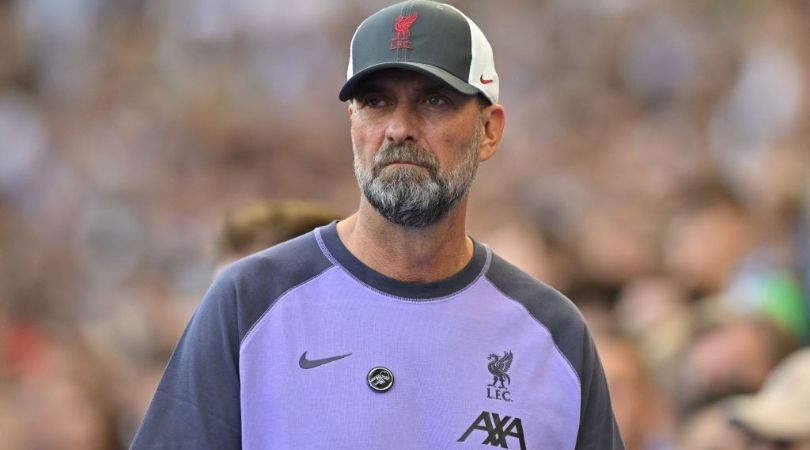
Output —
(402, 26)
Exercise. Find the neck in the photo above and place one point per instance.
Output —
(408, 254)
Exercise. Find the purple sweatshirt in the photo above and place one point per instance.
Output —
(302, 346)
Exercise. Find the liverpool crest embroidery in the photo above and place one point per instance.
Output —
(499, 366)
(402, 27)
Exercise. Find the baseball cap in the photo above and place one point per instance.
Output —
(431, 38)
(781, 409)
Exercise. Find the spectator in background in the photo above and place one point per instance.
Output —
(728, 355)
(708, 428)
(705, 240)
(62, 398)
(264, 224)
(655, 311)
(778, 416)
(639, 407)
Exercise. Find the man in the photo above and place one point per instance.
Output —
(391, 328)
(778, 416)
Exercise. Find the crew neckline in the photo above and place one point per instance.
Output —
(336, 251)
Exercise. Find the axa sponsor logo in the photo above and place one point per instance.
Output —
(498, 366)
(500, 431)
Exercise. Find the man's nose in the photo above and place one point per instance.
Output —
(402, 124)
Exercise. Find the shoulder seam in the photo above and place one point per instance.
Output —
(568, 363)
(274, 302)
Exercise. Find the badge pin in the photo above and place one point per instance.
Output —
(380, 379)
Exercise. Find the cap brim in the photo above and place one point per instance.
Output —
(348, 89)
(769, 420)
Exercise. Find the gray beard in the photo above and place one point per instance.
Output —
(416, 196)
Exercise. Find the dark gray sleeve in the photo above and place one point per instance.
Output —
(597, 428)
(196, 405)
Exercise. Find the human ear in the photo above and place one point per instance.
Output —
(492, 123)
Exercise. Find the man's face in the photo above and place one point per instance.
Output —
(416, 146)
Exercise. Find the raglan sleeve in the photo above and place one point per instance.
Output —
(197, 402)
(597, 429)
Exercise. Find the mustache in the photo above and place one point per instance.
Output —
(405, 153)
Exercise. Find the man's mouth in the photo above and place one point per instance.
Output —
(403, 163)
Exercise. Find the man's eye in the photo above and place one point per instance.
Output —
(435, 101)
(373, 101)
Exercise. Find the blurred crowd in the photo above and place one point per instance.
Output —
(656, 169)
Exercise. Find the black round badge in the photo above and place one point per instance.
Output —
(380, 379)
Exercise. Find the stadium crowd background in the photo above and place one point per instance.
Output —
(655, 169)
